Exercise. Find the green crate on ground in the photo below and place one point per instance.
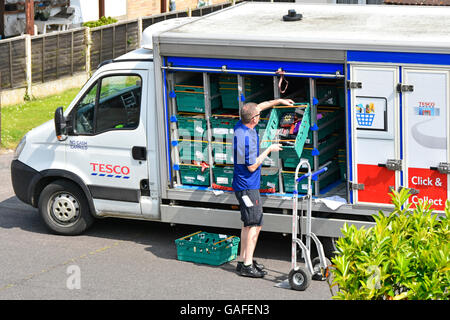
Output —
(194, 175)
(273, 125)
(193, 150)
(330, 176)
(223, 177)
(190, 127)
(207, 248)
(190, 97)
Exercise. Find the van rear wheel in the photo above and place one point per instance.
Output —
(64, 208)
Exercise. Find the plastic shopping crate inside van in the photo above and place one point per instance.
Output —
(208, 248)
(295, 147)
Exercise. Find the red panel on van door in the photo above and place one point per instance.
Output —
(377, 181)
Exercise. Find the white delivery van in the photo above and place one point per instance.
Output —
(147, 137)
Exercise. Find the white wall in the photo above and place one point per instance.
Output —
(85, 10)
(115, 8)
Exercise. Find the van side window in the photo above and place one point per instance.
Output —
(84, 115)
(115, 105)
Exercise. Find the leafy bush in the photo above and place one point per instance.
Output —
(404, 256)
(101, 22)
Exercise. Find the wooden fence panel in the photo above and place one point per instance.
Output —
(57, 55)
(112, 41)
(13, 63)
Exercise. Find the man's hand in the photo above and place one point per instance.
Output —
(286, 102)
(269, 104)
(275, 147)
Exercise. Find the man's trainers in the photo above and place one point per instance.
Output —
(257, 265)
(251, 271)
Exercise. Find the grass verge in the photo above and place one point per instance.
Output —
(17, 120)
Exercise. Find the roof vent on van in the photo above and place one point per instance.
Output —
(292, 16)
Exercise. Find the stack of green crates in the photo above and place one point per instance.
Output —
(209, 248)
(330, 176)
(190, 96)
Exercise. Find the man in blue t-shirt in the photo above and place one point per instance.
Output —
(246, 181)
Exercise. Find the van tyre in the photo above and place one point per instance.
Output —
(64, 208)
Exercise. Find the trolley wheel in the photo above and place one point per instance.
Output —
(299, 279)
(321, 274)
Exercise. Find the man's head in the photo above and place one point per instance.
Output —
(250, 113)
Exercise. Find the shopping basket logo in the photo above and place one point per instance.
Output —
(365, 115)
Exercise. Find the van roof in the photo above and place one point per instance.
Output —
(323, 26)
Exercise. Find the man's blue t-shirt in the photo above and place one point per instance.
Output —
(245, 152)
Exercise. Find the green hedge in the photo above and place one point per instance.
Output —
(405, 256)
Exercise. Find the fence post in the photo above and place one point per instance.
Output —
(139, 38)
(87, 34)
(28, 72)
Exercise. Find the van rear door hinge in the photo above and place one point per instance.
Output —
(405, 87)
(354, 85)
(355, 186)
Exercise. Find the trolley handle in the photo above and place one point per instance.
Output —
(313, 175)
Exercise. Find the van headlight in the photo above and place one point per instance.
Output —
(20, 147)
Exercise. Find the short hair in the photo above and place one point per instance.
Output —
(248, 111)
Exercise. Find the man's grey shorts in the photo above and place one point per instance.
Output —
(251, 207)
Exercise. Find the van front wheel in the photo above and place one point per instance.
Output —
(64, 208)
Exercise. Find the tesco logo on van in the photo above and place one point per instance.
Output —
(109, 170)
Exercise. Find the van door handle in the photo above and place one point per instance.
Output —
(139, 153)
(392, 164)
(444, 167)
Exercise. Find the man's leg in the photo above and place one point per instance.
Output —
(244, 234)
(251, 240)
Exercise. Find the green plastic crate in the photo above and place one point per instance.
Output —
(222, 152)
(191, 98)
(332, 119)
(228, 87)
(194, 175)
(272, 126)
(207, 248)
(223, 176)
(324, 156)
(330, 176)
(223, 127)
(269, 180)
(193, 150)
(190, 127)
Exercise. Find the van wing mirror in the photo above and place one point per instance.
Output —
(60, 124)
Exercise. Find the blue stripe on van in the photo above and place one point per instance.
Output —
(257, 65)
(398, 57)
